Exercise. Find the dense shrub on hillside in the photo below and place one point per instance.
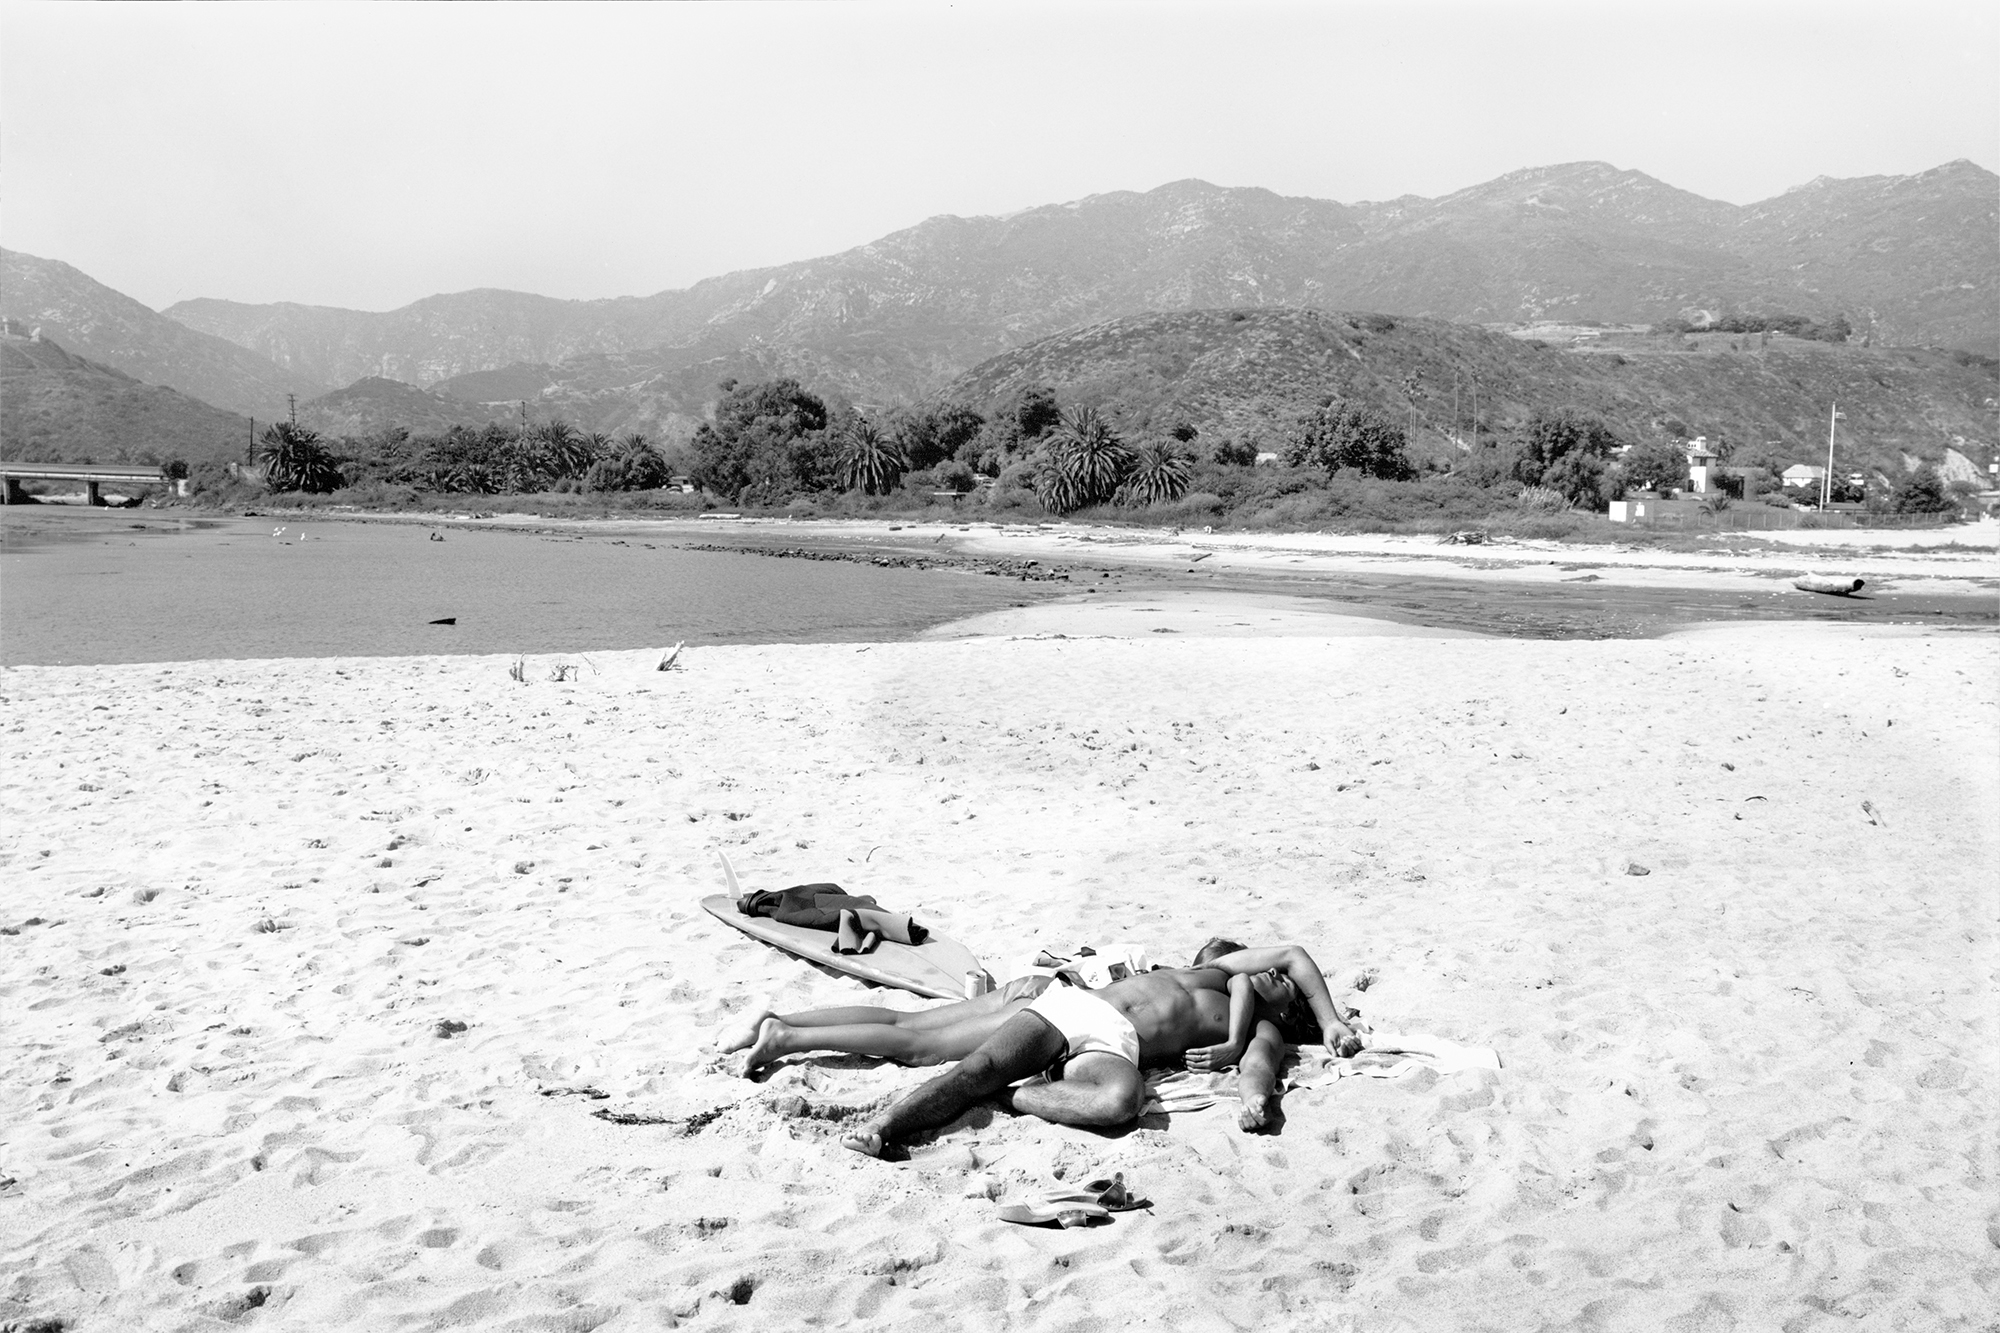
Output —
(1835, 330)
(1234, 453)
(1344, 436)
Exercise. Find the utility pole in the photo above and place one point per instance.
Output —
(292, 404)
(250, 449)
(524, 418)
(1475, 414)
(1826, 482)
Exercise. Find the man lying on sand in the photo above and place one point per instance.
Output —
(1233, 1006)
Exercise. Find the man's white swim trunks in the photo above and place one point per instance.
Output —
(1087, 1023)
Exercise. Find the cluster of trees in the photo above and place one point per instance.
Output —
(497, 460)
(1564, 452)
(1835, 330)
(773, 441)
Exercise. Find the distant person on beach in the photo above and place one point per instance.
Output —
(1233, 1006)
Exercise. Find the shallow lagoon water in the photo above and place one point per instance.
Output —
(251, 588)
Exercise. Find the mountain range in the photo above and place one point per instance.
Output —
(1909, 260)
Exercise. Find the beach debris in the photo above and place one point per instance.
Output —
(523, 867)
(448, 1028)
(1199, 557)
(592, 1093)
(1464, 537)
(693, 1124)
(1831, 587)
(444, 620)
(437, 536)
(671, 657)
(519, 671)
(1634, 868)
(563, 671)
(1874, 815)
(1092, 1204)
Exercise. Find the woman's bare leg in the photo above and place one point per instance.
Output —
(745, 1031)
(777, 1037)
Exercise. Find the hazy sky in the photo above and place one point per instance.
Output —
(366, 155)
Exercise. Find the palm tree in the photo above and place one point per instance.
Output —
(565, 453)
(1159, 475)
(294, 460)
(1083, 463)
(869, 460)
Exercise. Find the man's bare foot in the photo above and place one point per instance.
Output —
(743, 1033)
(771, 1034)
(1255, 1116)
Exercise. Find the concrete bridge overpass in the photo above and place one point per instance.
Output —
(92, 475)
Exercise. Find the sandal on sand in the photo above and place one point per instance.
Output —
(1075, 1208)
(1062, 1212)
(1111, 1195)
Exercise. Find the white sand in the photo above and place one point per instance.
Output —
(1753, 1089)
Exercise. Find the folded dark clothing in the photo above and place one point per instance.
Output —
(822, 907)
(861, 928)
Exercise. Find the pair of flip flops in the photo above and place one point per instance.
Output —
(1088, 1206)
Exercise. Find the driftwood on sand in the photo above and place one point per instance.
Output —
(1832, 587)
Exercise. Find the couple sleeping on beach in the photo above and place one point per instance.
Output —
(1080, 1051)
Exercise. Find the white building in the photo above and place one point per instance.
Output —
(1701, 465)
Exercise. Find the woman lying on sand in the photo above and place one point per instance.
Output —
(1233, 1006)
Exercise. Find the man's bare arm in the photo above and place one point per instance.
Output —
(1242, 1013)
(1296, 963)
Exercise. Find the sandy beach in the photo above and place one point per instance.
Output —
(375, 994)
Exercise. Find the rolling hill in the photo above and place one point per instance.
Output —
(56, 407)
(108, 327)
(1246, 374)
(370, 405)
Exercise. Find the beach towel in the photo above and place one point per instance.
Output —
(1395, 1054)
(1383, 1055)
(1093, 967)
